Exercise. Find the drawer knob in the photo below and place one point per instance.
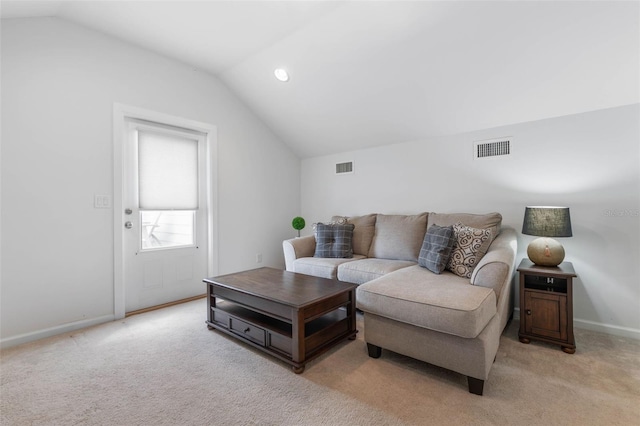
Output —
(247, 330)
(528, 311)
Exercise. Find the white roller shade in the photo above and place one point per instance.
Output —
(167, 172)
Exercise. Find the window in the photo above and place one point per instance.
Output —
(167, 185)
(166, 228)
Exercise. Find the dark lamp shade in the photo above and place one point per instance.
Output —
(547, 222)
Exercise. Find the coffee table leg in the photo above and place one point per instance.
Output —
(351, 312)
(297, 334)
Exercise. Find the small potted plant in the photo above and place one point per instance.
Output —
(298, 224)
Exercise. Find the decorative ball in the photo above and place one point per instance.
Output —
(298, 223)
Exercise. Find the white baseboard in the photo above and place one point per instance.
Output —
(41, 334)
(64, 328)
(614, 330)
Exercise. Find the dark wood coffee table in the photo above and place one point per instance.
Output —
(293, 317)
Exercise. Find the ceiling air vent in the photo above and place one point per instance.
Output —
(492, 148)
(343, 168)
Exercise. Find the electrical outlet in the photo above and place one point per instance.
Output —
(259, 258)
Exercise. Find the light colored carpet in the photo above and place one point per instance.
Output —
(165, 367)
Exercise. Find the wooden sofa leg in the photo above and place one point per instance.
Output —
(475, 385)
(374, 351)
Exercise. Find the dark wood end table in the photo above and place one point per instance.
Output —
(546, 304)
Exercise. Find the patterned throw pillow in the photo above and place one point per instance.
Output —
(436, 248)
(470, 246)
(340, 220)
(334, 240)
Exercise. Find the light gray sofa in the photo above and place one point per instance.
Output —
(443, 319)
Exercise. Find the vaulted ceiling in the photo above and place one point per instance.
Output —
(370, 73)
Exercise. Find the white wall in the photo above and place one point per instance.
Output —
(59, 84)
(588, 162)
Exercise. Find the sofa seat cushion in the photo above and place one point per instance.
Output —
(445, 303)
(364, 270)
(323, 267)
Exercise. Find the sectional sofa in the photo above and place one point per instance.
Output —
(452, 318)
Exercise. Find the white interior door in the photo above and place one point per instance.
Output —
(165, 208)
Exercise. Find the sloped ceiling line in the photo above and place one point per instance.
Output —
(366, 74)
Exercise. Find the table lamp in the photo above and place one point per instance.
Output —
(546, 222)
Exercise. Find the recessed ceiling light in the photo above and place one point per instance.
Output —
(281, 74)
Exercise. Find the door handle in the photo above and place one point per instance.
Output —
(128, 225)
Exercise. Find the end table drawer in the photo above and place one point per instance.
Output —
(246, 330)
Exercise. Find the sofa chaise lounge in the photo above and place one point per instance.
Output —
(452, 320)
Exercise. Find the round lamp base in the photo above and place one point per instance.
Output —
(545, 252)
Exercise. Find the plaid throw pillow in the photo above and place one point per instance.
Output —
(334, 240)
(436, 248)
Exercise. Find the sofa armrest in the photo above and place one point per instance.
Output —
(498, 262)
(296, 248)
(495, 270)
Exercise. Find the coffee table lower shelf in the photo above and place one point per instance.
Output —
(274, 336)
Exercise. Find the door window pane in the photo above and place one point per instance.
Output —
(167, 229)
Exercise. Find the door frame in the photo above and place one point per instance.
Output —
(122, 112)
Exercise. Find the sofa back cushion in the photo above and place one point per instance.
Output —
(491, 221)
(398, 237)
(364, 228)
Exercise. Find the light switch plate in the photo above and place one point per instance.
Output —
(102, 201)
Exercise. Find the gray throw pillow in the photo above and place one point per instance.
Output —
(334, 240)
(436, 248)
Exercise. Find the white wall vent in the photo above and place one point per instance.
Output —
(343, 168)
(492, 148)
